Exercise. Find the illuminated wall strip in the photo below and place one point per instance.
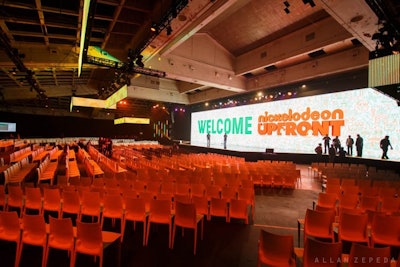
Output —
(86, 5)
(132, 120)
(384, 71)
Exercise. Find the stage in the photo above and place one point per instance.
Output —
(298, 158)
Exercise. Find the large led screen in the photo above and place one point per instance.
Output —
(297, 125)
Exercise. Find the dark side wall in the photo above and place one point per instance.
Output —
(37, 126)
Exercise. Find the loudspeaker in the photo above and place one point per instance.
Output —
(269, 150)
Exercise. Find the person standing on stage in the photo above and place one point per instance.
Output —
(208, 139)
(336, 143)
(349, 144)
(385, 144)
(332, 153)
(359, 145)
(326, 140)
(225, 139)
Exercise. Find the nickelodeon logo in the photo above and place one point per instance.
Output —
(305, 123)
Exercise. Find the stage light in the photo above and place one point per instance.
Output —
(139, 61)
(154, 27)
(169, 30)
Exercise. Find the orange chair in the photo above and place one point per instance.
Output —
(248, 195)
(15, 197)
(390, 205)
(219, 208)
(197, 190)
(318, 253)
(327, 200)
(361, 255)
(61, 236)
(112, 208)
(369, 203)
(90, 205)
(135, 211)
(385, 230)
(275, 250)
(349, 189)
(10, 231)
(89, 241)
(319, 224)
(2, 197)
(213, 191)
(229, 193)
(349, 201)
(160, 212)
(71, 203)
(52, 200)
(353, 228)
(186, 217)
(33, 200)
(147, 197)
(238, 209)
(201, 204)
(34, 233)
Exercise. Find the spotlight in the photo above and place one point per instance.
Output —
(154, 27)
(311, 2)
(139, 61)
(169, 30)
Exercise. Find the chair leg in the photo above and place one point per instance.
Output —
(173, 236)
(148, 232)
(195, 240)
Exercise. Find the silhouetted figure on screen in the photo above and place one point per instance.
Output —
(208, 139)
(336, 143)
(326, 140)
(225, 139)
(318, 149)
(332, 153)
(349, 144)
(359, 145)
(385, 144)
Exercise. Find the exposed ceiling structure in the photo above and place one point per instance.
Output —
(209, 49)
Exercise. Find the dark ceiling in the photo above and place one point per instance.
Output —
(44, 37)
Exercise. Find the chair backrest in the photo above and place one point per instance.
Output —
(71, 201)
(89, 235)
(185, 214)
(275, 249)
(160, 210)
(113, 203)
(352, 227)
(348, 201)
(386, 229)
(32, 196)
(369, 256)
(15, 195)
(318, 253)
(34, 225)
(9, 221)
(51, 195)
(134, 207)
(319, 223)
(327, 199)
(61, 230)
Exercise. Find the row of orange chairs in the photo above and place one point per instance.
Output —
(389, 204)
(58, 234)
(383, 230)
(278, 250)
